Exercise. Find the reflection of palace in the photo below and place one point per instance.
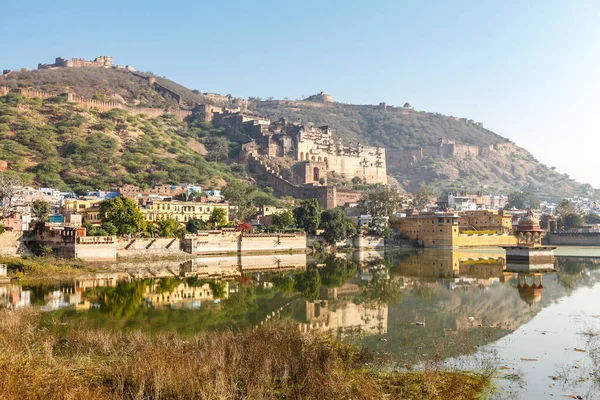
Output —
(480, 267)
(530, 287)
(345, 318)
(183, 295)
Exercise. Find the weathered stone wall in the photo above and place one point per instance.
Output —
(574, 239)
(367, 242)
(96, 251)
(101, 105)
(274, 243)
(485, 240)
(149, 248)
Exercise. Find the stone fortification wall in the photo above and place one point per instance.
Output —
(445, 149)
(149, 248)
(101, 105)
(326, 195)
(217, 242)
(294, 103)
(274, 243)
(162, 90)
(574, 239)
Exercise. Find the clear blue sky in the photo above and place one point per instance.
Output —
(530, 70)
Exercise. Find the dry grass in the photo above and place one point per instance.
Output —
(40, 362)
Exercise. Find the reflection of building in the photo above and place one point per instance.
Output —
(345, 318)
(182, 295)
(468, 266)
(12, 296)
(530, 287)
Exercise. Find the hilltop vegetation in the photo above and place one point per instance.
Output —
(55, 144)
(36, 139)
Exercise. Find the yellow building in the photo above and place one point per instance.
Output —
(485, 220)
(181, 211)
(442, 230)
(88, 208)
(431, 229)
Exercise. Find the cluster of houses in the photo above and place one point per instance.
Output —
(159, 202)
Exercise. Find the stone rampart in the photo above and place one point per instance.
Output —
(573, 239)
(285, 187)
(101, 105)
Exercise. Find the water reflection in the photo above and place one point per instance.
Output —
(410, 303)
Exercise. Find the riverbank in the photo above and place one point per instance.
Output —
(51, 360)
(48, 267)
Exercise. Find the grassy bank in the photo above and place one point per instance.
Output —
(33, 268)
(54, 362)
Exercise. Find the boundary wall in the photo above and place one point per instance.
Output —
(101, 105)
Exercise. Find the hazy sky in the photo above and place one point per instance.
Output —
(529, 70)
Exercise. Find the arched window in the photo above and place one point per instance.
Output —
(316, 174)
(301, 156)
(312, 158)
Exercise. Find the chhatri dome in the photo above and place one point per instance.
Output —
(529, 232)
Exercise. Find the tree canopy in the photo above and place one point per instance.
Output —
(522, 200)
(239, 196)
(218, 217)
(336, 225)
(380, 201)
(124, 214)
(308, 215)
(40, 210)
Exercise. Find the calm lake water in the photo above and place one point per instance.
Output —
(453, 307)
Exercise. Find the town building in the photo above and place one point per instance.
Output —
(439, 229)
(181, 211)
(485, 220)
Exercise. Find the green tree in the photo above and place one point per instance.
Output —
(124, 214)
(218, 217)
(240, 197)
(336, 225)
(380, 201)
(195, 225)
(110, 229)
(40, 210)
(423, 196)
(522, 200)
(308, 284)
(565, 207)
(337, 271)
(592, 218)
(572, 220)
(356, 180)
(283, 220)
(169, 228)
(308, 215)
(217, 288)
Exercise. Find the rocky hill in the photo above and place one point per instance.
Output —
(53, 143)
(430, 148)
(423, 148)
